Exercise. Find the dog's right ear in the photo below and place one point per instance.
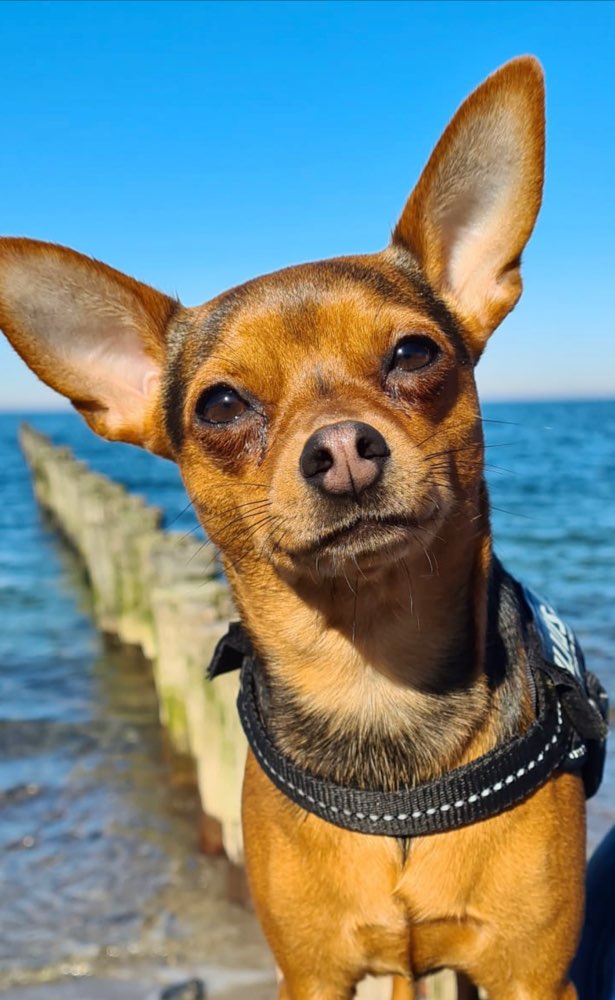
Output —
(90, 332)
(474, 207)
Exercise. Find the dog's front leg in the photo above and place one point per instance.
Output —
(306, 987)
(324, 897)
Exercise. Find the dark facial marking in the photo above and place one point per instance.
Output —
(183, 366)
(366, 275)
(399, 281)
(430, 302)
(322, 386)
(174, 384)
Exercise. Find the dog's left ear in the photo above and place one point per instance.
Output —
(91, 333)
(475, 205)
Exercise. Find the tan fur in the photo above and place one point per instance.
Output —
(369, 613)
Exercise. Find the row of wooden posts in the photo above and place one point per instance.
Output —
(162, 591)
(159, 590)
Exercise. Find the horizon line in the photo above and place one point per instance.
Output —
(46, 410)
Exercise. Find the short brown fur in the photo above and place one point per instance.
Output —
(368, 610)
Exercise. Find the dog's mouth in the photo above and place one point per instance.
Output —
(360, 530)
(370, 540)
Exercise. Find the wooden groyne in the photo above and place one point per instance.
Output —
(162, 591)
(159, 590)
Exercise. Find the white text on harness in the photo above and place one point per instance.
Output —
(562, 640)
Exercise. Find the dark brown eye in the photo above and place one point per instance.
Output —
(220, 405)
(414, 353)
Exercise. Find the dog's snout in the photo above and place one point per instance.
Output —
(344, 458)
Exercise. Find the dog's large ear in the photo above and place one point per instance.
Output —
(90, 332)
(474, 207)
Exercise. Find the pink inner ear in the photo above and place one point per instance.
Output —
(476, 248)
(473, 210)
(121, 377)
(83, 332)
(474, 206)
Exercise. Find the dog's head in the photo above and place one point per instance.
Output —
(324, 416)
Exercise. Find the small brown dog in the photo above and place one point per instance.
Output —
(326, 424)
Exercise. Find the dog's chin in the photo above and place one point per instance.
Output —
(367, 546)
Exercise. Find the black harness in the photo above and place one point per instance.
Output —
(568, 734)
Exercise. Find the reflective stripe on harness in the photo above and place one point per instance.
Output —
(569, 733)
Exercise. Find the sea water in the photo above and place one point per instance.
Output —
(98, 850)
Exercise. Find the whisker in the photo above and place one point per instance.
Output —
(405, 565)
(234, 486)
(467, 447)
(349, 587)
(490, 420)
(429, 437)
(197, 553)
(181, 514)
(247, 549)
(278, 541)
(470, 466)
(354, 610)
(452, 451)
(254, 506)
(359, 570)
(190, 531)
(248, 503)
(513, 513)
(469, 463)
(501, 468)
(253, 525)
(246, 536)
(262, 506)
(431, 566)
(270, 534)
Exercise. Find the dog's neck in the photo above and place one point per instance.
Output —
(379, 682)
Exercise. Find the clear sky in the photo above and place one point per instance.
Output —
(195, 145)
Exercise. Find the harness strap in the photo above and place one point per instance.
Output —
(485, 787)
(568, 733)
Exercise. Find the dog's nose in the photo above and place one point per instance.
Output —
(344, 458)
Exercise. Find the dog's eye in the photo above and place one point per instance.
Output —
(413, 353)
(220, 405)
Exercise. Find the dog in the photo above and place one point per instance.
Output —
(326, 423)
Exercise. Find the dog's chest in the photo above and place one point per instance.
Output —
(415, 924)
(396, 916)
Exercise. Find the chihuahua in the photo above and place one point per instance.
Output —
(326, 423)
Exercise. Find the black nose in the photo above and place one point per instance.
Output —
(345, 458)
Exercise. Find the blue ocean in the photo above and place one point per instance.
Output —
(97, 833)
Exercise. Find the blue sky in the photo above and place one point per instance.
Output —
(195, 145)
